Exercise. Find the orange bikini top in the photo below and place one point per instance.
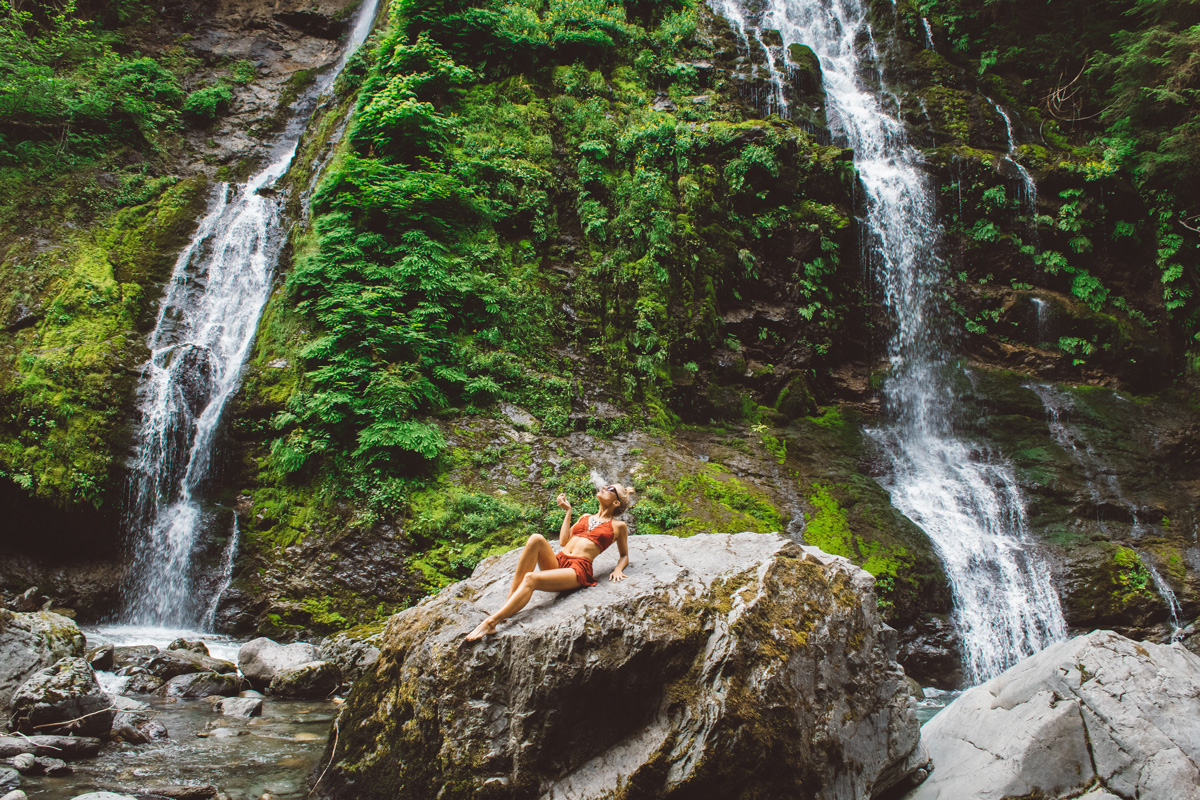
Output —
(601, 535)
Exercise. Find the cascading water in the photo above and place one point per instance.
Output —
(964, 497)
(204, 332)
(1028, 185)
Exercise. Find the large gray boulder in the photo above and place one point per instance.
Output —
(64, 699)
(354, 651)
(1096, 712)
(723, 666)
(261, 660)
(310, 681)
(170, 663)
(30, 643)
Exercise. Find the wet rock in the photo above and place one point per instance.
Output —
(16, 794)
(130, 734)
(1097, 711)
(261, 660)
(313, 23)
(135, 722)
(313, 680)
(240, 707)
(133, 656)
(64, 699)
(32, 642)
(29, 600)
(198, 647)
(70, 748)
(54, 767)
(101, 658)
(171, 663)
(355, 651)
(665, 682)
(10, 779)
(930, 652)
(142, 682)
(104, 796)
(182, 792)
(23, 763)
(201, 684)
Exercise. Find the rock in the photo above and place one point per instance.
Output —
(725, 665)
(70, 748)
(1098, 709)
(201, 684)
(101, 658)
(355, 651)
(169, 664)
(251, 693)
(104, 796)
(197, 647)
(135, 722)
(310, 681)
(30, 643)
(133, 655)
(240, 707)
(23, 763)
(142, 682)
(262, 659)
(29, 600)
(129, 733)
(54, 767)
(16, 794)
(10, 779)
(182, 792)
(63, 699)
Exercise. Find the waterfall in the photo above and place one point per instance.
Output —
(1028, 192)
(204, 331)
(964, 496)
(1043, 320)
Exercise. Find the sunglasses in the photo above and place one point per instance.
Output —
(612, 489)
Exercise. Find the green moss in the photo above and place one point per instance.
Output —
(715, 500)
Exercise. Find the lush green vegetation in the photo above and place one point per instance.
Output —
(507, 186)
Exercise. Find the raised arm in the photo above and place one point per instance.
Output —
(564, 533)
(621, 530)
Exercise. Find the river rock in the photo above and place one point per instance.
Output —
(140, 681)
(240, 707)
(70, 748)
(168, 664)
(198, 647)
(54, 767)
(725, 665)
(66, 698)
(103, 796)
(10, 779)
(261, 660)
(101, 658)
(16, 794)
(30, 643)
(135, 721)
(23, 763)
(355, 651)
(307, 681)
(133, 655)
(1098, 711)
(201, 684)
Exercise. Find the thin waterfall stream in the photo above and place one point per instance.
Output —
(964, 496)
(204, 332)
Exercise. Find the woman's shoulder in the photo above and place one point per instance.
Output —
(619, 526)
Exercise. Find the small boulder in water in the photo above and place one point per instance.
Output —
(307, 681)
(240, 707)
(23, 763)
(168, 664)
(64, 699)
(261, 660)
(101, 658)
(201, 684)
(33, 642)
(15, 794)
(133, 655)
(141, 681)
(103, 796)
(198, 647)
(9, 779)
(54, 767)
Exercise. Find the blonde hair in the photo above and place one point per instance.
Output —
(625, 497)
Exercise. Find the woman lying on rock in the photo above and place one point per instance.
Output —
(572, 566)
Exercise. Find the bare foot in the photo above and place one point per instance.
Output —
(485, 628)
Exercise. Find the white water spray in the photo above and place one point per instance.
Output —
(964, 496)
(204, 332)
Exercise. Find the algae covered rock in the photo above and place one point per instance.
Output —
(63, 699)
(724, 665)
(354, 651)
(1099, 711)
(33, 642)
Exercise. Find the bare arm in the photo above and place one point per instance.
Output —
(622, 532)
(564, 533)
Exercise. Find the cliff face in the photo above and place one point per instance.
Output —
(534, 251)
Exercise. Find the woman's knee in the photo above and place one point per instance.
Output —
(536, 538)
(530, 581)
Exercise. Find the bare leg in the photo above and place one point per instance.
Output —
(553, 580)
(537, 552)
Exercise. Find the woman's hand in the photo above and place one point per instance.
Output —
(616, 575)
(563, 503)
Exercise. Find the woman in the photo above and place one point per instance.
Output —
(572, 567)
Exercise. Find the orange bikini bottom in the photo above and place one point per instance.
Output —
(582, 567)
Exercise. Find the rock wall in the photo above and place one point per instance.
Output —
(724, 665)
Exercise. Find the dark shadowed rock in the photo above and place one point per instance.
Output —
(101, 658)
(70, 748)
(1099, 711)
(201, 684)
(354, 651)
(64, 699)
(724, 666)
(33, 642)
